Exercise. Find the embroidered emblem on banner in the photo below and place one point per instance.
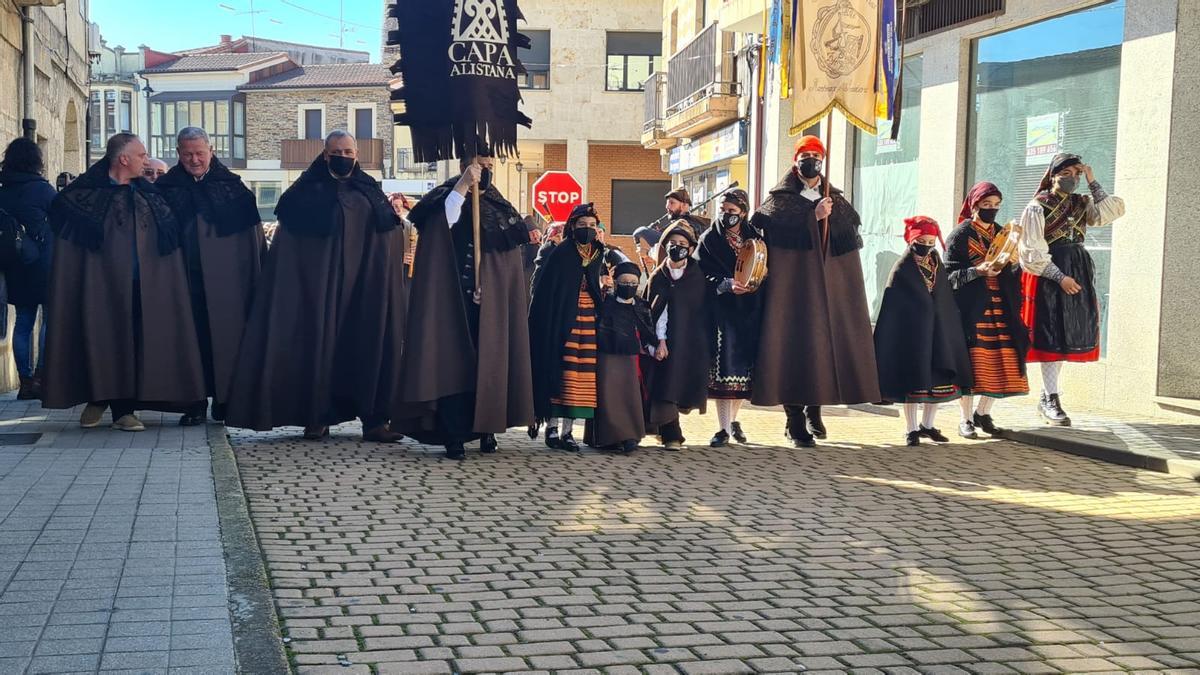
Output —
(480, 44)
(839, 39)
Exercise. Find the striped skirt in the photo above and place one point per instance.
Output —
(994, 359)
(576, 397)
(943, 393)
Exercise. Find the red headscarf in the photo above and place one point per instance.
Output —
(918, 226)
(980, 192)
(809, 144)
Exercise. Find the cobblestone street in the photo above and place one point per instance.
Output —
(861, 555)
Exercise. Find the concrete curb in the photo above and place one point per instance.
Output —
(257, 644)
(1105, 452)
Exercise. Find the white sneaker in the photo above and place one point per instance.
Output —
(966, 429)
(129, 423)
(91, 415)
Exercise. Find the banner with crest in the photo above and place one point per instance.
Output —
(459, 69)
(835, 62)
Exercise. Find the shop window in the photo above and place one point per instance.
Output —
(1035, 94)
(636, 203)
(885, 184)
(267, 192)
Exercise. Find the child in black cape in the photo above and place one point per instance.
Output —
(919, 342)
(623, 332)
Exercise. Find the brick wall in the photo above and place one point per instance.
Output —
(554, 158)
(618, 162)
(273, 115)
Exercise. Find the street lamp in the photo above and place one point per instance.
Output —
(147, 91)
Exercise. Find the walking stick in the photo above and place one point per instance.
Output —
(825, 224)
(478, 249)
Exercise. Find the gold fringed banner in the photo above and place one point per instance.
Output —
(785, 48)
(836, 62)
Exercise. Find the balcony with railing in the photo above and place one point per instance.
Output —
(299, 153)
(654, 137)
(702, 88)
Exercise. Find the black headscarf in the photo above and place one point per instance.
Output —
(220, 196)
(78, 213)
(308, 207)
(1063, 160)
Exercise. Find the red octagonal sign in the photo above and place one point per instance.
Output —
(555, 193)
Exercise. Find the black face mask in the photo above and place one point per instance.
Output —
(922, 250)
(584, 235)
(810, 167)
(731, 220)
(626, 291)
(485, 179)
(677, 252)
(340, 166)
(988, 215)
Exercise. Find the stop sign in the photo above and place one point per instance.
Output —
(555, 193)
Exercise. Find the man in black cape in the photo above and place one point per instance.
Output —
(324, 338)
(459, 344)
(223, 244)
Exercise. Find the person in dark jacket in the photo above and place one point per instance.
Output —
(568, 288)
(736, 314)
(26, 196)
(919, 343)
(623, 332)
(678, 297)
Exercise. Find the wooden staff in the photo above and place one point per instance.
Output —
(825, 222)
(412, 249)
(478, 246)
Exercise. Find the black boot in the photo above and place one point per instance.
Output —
(719, 440)
(738, 434)
(488, 444)
(218, 411)
(456, 451)
(985, 422)
(26, 393)
(933, 434)
(816, 426)
(1051, 409)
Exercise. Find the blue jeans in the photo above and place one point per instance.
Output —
(23, 340)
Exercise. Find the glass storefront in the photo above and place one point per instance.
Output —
(885, 185)
(1049, 87)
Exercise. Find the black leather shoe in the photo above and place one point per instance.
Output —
(193, 419)
(552, 440)
(488, 444)
(804, 440)
(913, 439)
(456, 451)
(988, 426)
(816, 426)
(738, 434)
(218, 411)
(1051, 410)
(719, 440)
(933, 434)
(568, 442)
(627, 447)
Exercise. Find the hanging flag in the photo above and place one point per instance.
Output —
(459, 67)
(786, 35)
(889, 61)
(836, 59)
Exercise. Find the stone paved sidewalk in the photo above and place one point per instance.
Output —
(110, 550)
(860, 556)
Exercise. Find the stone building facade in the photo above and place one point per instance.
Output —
(60, 91)
(273, 115)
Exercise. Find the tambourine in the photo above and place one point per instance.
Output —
(751, 266)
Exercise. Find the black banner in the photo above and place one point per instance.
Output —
(459, 65)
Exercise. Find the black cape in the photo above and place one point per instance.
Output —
(310, 206)
(741, 313)
(220, 197)
(552, 312)
(681, 378)
(80, 211)
(624, 328)
(919, 341)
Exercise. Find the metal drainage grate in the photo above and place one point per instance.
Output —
(19, 438)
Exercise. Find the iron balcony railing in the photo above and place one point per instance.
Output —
(654, 101)
(930, 16)
(703, 68)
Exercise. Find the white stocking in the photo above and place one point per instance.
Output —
(567, 424)
(1050, 372)
(734, 406)
(724, 415)
(930, 413)
(985, 405)
(910, 416)
(964, 406)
